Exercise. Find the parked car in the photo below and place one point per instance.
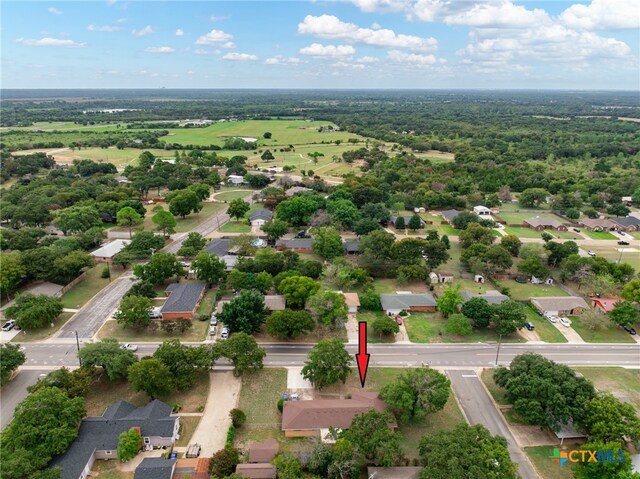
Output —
(629, 330)
(114, 315)
(551, 318)
(529, 325)
(591, 253)
(566, 322)
(577, 230)
(185, 264)
(212, 330)
(129, 347)
(214, 320)
(623, 243)
(621, 233)
(154, 313)
(9, 325)
(225, 333)
(301, 234)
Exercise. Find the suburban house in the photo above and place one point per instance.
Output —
(303, 245)
(627, 223)
(98, 435)
(353, 302)
(105, 253)
(235, 180)
(312, 417)
(492, 296)
(559, 305)
(448, 215)
(351, 247)
(294, 190)
(436, 277)
(183, 299)
(260, 217)
(275, 302)
(398, 302)
(257, 471)
(393, 219)
(481, 210)
(597, 224)
(605, 305)
(263, 451)
(155, 468)
(540, 223)
(219, 246)
(406, 472)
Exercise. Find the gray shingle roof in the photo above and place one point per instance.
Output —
(559, 303)
(543, 221)
(449, 214)
(262, 214)
(351, 246)
(219, 246)
(406, 301)
(492, 296)
(155, 468)
(100, 433)
(303, 243)
(626, 221)
(184, 297)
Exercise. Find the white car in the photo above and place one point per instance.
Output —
(225, 333)
(566, 322)
(9, 325)
(154, 313)
(129, 347)
(591, 253)
(551, 318)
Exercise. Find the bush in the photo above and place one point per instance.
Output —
(105, 273)
(280, 404)
(231, 434)
(370, 300)
(129, 444)
(224, 462)
(203, 317)
(238, 417)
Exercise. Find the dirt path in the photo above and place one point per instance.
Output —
(224, 393)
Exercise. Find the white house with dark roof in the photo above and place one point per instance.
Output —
(98, 435)
(260, 217)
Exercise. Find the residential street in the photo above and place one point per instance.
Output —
(15, 391)
(478, 408)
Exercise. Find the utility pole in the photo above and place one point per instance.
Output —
(498, 350)
(78, 347)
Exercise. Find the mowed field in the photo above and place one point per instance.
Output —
(284, 132)
(120, 158)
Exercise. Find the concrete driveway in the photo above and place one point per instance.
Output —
(224, 394)
(569, 333)
(479, 408)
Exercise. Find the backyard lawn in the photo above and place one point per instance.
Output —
(111, 329)
(429, 328)
(232, 194)
(91, 285)
(522, 232)
(109, 470)
(621, 382)
(524, 291)
(208, 300)
(103, 393)
(188, 425)
(235, 227)
(610, 334)
(42, 333)
(540, 457)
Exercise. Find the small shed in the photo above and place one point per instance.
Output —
(353, 302)
(478, 278)
(567, 431)
(263, 451)
(260, 470)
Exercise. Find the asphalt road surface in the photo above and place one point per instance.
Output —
(478, 408)
(14, 392)
(92, 315)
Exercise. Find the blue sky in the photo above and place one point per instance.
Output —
(321, 44)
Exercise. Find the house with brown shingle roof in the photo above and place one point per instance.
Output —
(597, 224)
(353, 301)
(540, 223)
(559, 305)
(263, 451)
(308, 418)
(257, 471)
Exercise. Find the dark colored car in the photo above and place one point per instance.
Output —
(529, 325)
(576, 230)
(629, 330)
(301, 234)
(623, 243)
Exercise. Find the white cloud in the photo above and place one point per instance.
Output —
(54, 11)
(412, 59)
(348, 66)
(159, 49)
(602, 15)
(381, 5)
(122, 20)
(203, 52)
(111, 3)
(498, 15)
(332, 28)
(228, 45)
(213, 37)
(279, 60)
(179, 32)
(145, 31)
(368, 60)
(318, 50)
(215, 18)
(49, 42)
(239, 57)
(103, 28)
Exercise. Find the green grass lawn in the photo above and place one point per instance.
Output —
(610, 334)
(522, 232)
(193, 220)
(109, 470)
(524, 291)
(547, 331)
(429, 328)
(540, 457)
(42, 333)
(619, 381)
(91, 285)
(120, 158)
(496, 391)
(612, 252)
(103, 393)
(387, 285)
(569, 235)
(207, 303)
(605, 235)
(188, 425)
(229, 196)
(235, 227)
(369, 317)
(517, 217)
(111, 329)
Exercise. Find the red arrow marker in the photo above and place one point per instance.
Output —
(362, 358)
